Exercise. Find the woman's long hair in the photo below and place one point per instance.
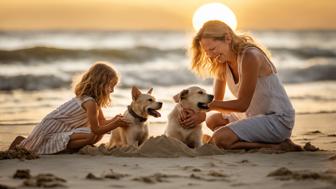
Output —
(201, 63)
(94, 82)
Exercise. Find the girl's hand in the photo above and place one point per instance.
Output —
(120, 121)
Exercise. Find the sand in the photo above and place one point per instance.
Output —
(163, 162)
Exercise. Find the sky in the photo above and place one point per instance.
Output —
(160, 14)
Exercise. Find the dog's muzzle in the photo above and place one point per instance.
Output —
(154, 112)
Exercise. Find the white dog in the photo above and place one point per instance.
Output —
(137, 113)
(194, 98)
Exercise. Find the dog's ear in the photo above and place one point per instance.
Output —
(135, 92)
(180, 96)
(150, 91)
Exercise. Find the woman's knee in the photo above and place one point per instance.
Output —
(215, 121)
(224, 138)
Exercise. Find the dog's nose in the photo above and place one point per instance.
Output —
(210, 97)
(160, 104)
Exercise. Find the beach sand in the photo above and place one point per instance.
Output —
(165, 163)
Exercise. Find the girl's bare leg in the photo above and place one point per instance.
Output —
(79, 140)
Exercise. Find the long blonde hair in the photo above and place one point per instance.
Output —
(94, 82)
(201, 64)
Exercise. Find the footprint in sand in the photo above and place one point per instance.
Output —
(111, 175)
(246, 162)
(211, 176)
(310, 147)
(45, 180)
(313, 132)
(193, 169)
(155, 178)
(332, 158)
(284, 173)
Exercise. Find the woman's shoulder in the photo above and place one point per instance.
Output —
(251, 54)
(252, 51)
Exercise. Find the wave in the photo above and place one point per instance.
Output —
(130, 78)
(47, 54)
(304, 52)
(156, 76)
(318, 72)
(32, 82)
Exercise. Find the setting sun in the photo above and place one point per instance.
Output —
(214, 11)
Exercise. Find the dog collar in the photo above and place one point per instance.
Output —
(141, 119)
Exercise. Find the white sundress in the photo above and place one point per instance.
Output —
(53, 133)
(270, 115)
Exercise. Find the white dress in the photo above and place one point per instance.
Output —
(270, 115)
(53, 133)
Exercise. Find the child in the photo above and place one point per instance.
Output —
(80, 121)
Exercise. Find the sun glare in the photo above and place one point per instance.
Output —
(214, 11)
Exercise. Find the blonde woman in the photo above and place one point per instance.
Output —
(79, 121)
(262, 115)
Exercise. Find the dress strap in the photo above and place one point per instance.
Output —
(266, 57)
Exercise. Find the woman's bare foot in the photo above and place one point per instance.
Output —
(289, 146)
(16, 141)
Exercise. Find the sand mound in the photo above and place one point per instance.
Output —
(209, 149)
(164, 146)
(18, 153)
(160, 146)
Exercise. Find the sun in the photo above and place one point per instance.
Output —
(214, 11)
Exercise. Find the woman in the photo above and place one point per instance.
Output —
(261, 116)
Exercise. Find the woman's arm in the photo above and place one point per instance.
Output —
(250, 71)
(219, 89)
(95, 118)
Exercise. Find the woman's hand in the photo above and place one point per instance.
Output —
(214, 105)
(188, 118)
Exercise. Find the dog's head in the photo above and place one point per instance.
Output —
(194, 97)
(145, 104)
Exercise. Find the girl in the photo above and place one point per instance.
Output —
(80, 121)
(262, 116)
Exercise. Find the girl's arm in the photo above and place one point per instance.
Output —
(95, 118)
(101, 117)
(250, 70)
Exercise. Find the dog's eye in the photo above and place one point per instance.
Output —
(200, 92)
(150, 100)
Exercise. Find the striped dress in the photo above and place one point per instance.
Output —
(53, 133)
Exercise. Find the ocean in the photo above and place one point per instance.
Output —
(38, 67)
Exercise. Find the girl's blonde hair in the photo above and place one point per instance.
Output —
(94, 82)
(201, 64)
